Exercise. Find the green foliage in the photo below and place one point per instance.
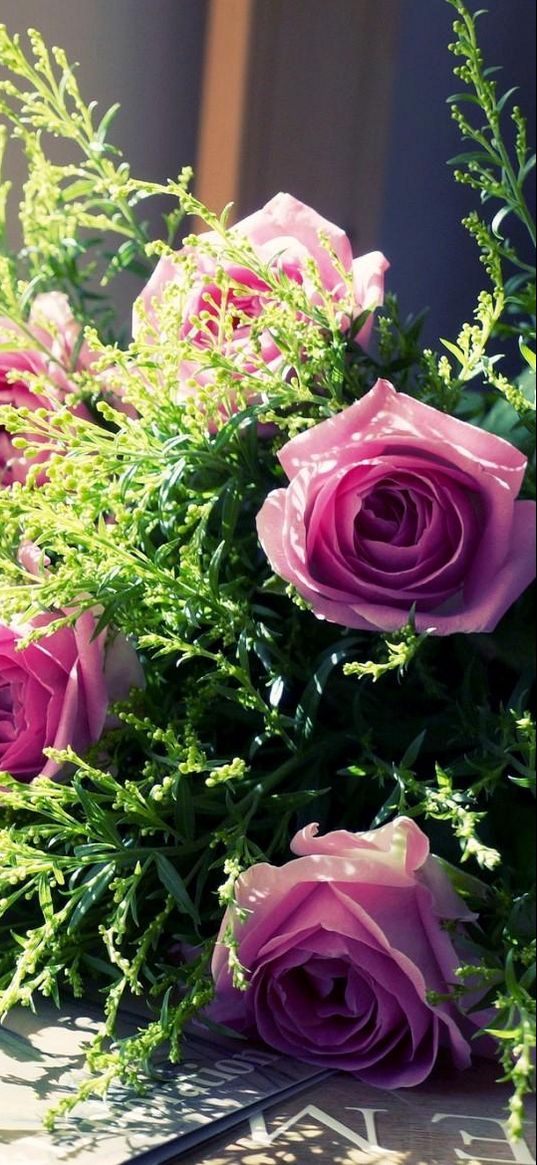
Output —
(399, 652)
(256, 717)
(515, 1029)
(71, 212)
(497, 166)
(489, 167)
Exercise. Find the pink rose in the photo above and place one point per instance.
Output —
(56, 692)
(285, 235)
(342, 946)
(54, 325)
(55, 333)
(392, 505)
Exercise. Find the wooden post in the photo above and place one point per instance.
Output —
(297, 96)
(224, 95)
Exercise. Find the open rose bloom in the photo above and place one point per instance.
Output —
(394, 506)
(51, 350)
(341, 948)
(56, 692)
(285, 235)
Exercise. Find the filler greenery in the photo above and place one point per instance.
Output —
(255, 717)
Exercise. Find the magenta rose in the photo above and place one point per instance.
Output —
(285, 235)
(52, 350)
(56, 692)
(342, 946)
(393, 505)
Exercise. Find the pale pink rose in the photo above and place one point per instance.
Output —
(57, 692)
(53, 323)
(32, 558)
(341, 947)
(55, 333)
(393, 505)
(285, 235)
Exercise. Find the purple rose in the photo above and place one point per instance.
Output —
(56, 692)
(393, 505)
(53, 352)
(342, 946)
(285, 235)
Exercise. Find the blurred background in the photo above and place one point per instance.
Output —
(343, 104)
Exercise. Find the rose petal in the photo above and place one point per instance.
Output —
(54, 694)
(342, 946)
(393, 506)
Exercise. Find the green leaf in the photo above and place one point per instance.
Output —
(106, 122)
(97, 883)
(413, 751)
(458, 97)
(306, 713)
(511, 981)
(391, 805)
(77, 189)
(165, 1007)
(455, 351)
(186, 821)
(463, 882)
(474, 156)
(102, 822)
(527, 353)
(358, 323)
(175, 886)
(498, 219)
(500, 1033)
(101, 966)
(527, 168)
(214, 569)
(505, 98)
(45, 897)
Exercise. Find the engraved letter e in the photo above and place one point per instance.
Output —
(520, 1151)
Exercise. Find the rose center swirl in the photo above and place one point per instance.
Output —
(11, 710)
(387, 515)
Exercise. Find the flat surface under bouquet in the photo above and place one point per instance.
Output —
(230, 1102)
(452, 1118)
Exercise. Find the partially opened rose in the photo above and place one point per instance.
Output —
(57, 692)
(52, 350)
(341, 947)
(285, 235)
(393, 505)
(53, 324)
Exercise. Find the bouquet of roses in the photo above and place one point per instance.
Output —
(263, 584)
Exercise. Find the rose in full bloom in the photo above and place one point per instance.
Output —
(394, 506)
(57, 692)
(341, 947)
(52, 351)
(285, 235)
